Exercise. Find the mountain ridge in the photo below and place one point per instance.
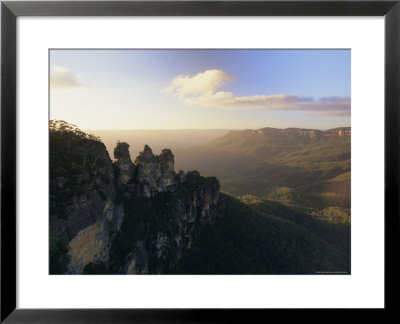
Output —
(142, 217)
(311, 168)
(340, 131)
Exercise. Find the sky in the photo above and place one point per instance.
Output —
(201, 89)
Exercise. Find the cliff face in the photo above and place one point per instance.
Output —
(124, 217)
(84, 212)
(93, 217)
(341, 131)
(291, 132)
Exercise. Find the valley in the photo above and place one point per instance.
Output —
(263, 201)
(308, 170)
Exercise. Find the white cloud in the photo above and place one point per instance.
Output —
(201, 91)
(227, 100)
(201, 83)
(335, 113)
(62, 78)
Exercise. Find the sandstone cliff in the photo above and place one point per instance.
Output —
(291, 132)
(124, 217)
(84, 212)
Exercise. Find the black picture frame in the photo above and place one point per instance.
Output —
(10, 10)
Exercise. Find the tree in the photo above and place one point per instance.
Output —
(85, 145)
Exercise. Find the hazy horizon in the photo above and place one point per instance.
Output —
(203, 129)
(159, 139)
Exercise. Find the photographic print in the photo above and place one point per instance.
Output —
(200, 161)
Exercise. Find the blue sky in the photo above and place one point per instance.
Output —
(202, 89)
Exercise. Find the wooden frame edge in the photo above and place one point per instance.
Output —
(11, 10)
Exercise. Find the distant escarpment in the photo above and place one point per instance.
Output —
(305, 169)
(290, 133)
(124, 217)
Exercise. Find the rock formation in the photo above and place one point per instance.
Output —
(178, 207)
(155, 173)
(126, 217)
(167, 179)
(124, 167)
(341, 131)
(185, 211)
